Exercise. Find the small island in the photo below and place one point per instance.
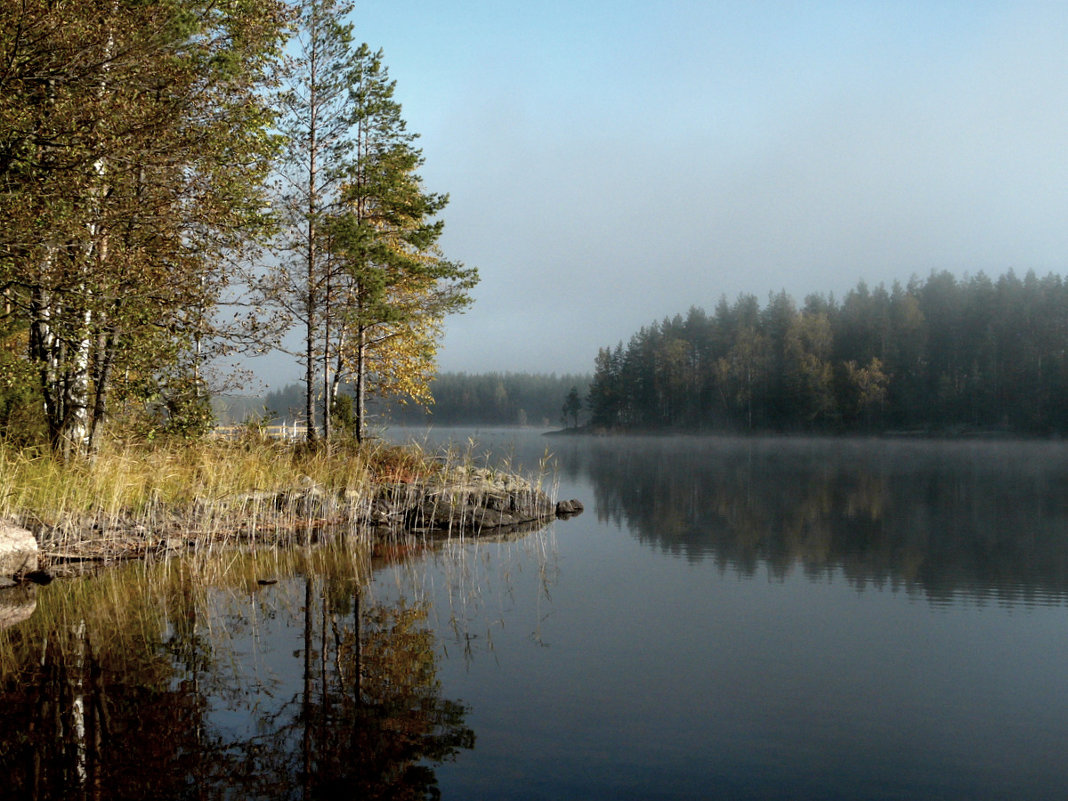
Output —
(256, 492)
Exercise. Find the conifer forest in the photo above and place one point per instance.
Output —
(940, 355)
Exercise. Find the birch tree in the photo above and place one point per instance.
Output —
(133, 150)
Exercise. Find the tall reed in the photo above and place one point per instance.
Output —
(133, 499)
(159, 490)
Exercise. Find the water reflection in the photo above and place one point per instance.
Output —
(945, 519)
(17, 603)
(249, 676)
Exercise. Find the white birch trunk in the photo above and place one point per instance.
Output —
(78, 706)
(75, 432)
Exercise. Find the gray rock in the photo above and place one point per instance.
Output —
(471, 500)
(18, 550)
(569, 508)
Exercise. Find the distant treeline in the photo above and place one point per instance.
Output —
(230, 410)
(940, 355)
(504, 399)
(493, 399)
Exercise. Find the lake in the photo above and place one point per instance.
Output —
(729, 618)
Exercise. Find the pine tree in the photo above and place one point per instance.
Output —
(571, 408)
(392, 286)
(317, 127)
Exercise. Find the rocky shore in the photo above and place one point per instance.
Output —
(467, 502)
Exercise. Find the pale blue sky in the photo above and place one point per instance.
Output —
(611, 163)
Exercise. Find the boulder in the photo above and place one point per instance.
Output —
(474, 500)
(308, 501)
(569, 508)
(18, 551)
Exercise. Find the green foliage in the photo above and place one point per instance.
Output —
(941, 355)
(186, 411)
(343, 413)
(134, 146)
(391, 285)
(20, 402)
(361, 273)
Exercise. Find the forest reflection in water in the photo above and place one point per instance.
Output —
(980, 519)
(250, 676)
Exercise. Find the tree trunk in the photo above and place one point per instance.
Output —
(63, 372)
(339, 371)
(361, 382)
(73, 437)
(328, 406)
(310, 252)
(309, 378)
(105, 357)
(41, 348)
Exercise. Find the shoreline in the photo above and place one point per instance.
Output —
(144, 502)
(945, 434)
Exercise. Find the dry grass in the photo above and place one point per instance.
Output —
(153, 499)
(143, 497)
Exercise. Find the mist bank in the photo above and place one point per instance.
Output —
(940, 355)
(491, 399)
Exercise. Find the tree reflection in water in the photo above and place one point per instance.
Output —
(943, 518)
(150, 682)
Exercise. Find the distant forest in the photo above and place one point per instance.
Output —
(940, 355)
(494, 399)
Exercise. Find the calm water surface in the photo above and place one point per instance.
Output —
(780, 619)
(731, 619)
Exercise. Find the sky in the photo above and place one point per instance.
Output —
(611, 163)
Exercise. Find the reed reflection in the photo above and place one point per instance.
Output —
(981, 519)
(269, 676)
